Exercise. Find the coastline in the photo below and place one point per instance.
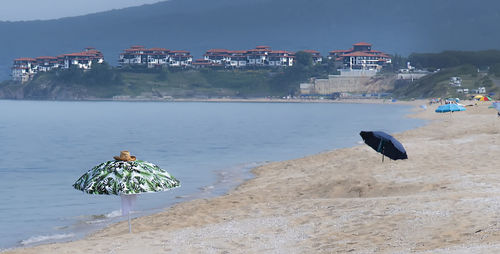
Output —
(236, 100)
(296, 205)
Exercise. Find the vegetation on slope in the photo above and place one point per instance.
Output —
(437, 84)
(449, 59)
(104, 81)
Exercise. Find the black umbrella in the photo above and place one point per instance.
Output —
(385, 144)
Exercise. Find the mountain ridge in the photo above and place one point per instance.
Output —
(394, 26)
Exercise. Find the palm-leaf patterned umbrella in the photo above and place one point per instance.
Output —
(125, 177)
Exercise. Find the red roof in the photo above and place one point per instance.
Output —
(136, 46)
(311, 51)
(359, 53)
(46, 57)
(362, 44)
(217, 51)
(280, 52)
(263, 47)
(340, 51)
(25, 59)
(238, 51)
(158, 49)
(179, 51)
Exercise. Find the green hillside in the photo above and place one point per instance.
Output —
(475, 68)
(105, 81)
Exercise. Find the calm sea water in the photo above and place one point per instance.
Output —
(210, 147)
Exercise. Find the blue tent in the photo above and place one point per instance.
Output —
(449, 108)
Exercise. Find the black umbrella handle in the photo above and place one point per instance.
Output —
(380, 146)
(383, 154)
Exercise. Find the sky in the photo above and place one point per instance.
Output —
(15, 10)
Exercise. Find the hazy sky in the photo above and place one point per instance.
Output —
(14, 10)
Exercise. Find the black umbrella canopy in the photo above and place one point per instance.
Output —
(384, 144)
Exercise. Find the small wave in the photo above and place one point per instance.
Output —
(207, 188)
(114, 214)
(44, 238)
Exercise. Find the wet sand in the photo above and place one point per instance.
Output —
(443, 199)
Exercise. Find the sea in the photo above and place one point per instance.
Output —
(45, 146)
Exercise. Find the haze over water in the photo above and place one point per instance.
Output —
(209, 147)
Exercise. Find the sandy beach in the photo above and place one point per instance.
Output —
(443, 199)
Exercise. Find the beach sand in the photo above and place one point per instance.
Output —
(443, 199)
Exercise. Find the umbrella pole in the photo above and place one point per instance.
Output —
(383, 154)
(129, 224)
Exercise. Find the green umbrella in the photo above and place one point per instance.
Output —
(126, 178)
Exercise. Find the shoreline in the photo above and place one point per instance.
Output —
(250, 172)
(236, 100)
(204, 192)
(352, 191)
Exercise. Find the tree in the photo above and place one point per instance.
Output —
(303, 59)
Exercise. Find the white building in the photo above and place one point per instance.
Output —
(139, 55)
(362, 57)
(82, 60)
(258, 56)
(46, 63)
(180, 58)
(280, 58)
(24, 69)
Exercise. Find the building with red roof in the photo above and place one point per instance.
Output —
(258, 56)
(24, 69)
(139, 55)
(361, 57)
(155, 57)
(280, 58)
(203, 63)
(180, 58)
(82, 60)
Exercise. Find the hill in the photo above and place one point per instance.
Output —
(475, 68)
(104, 82)
(396, 26)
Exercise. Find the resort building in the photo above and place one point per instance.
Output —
(228, 58)
(258, 56)
(218, 56)
(202, 63)
(46, 63)
(139, 55)
(180, 58)
(82, 60)
(361, 57)
(154, 57)
(238, 61)
(280, 58)
(24, 69)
